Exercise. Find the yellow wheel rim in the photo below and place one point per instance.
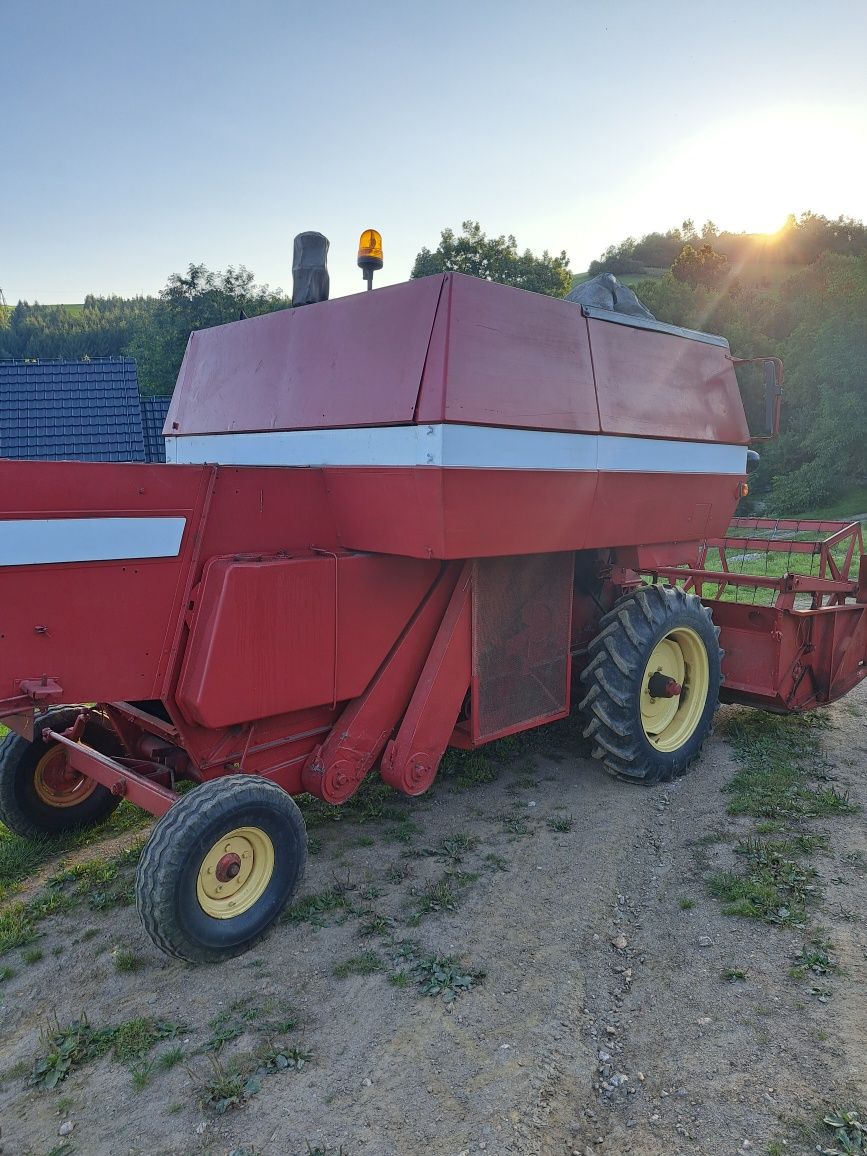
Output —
(235, 873)
(55, 782)
(669, 722)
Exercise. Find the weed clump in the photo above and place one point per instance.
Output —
(67, 1048)
(440, 976)
(365, 964)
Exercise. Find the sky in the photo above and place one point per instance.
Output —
(142, 135)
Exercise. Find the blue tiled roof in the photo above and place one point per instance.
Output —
(71, 410)
(153, 417)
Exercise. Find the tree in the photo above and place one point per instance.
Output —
(193, 300)
(701, 266)
(495, 259)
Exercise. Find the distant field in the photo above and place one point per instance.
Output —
(69, 308)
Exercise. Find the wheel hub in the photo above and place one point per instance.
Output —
(56, 783)
(235, 872)
(661, 686)
(228, 868)
(674, 689)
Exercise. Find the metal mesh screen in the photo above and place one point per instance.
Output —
(521, 621)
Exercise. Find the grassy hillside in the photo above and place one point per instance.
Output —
(624, 278)
(763, 273)
(7, 309)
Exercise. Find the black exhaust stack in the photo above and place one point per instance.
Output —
(310, 281)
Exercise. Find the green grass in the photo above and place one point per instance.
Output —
(372, 923)
(99, 883)
(243, 1017)
(443, 894)
(230, 1025)
(771, 887)
(126, 961)
(779, 784)
(438, 976)
(464, 770)
(170, 1058)
(365, 964)
(780, 756)
(141, 1072)
(321, 908)
(20, 858)
(454, 847)
(64, 1049)
(133, 1039)
(733, 974)
(17, 927)
(228, 1086)
(562, 824)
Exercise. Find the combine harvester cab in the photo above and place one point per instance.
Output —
(388, 524)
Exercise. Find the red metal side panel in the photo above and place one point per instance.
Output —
(262, 510)
(457, 513)
(752, 639)
(490, 512)
(659, 385)
(502, 356)
(350, 362)
(102, 628)
(390, 510)
(285, 634)
(790, 660)
(637, 508)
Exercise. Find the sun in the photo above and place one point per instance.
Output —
(748, 174)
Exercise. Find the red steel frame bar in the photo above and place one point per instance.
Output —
(120, 780)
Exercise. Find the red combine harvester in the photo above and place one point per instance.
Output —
(393, 523)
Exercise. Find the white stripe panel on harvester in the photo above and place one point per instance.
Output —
(41, 541)
(454, 446)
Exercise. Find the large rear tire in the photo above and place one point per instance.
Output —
(220, 867)
(40, 794)
(652, 684)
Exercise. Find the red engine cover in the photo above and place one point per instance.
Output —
(284, 634)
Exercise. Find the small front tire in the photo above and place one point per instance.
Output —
(40, 794)
(220, 867)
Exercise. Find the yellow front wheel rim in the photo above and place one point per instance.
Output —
(235, 873)
(670, 722)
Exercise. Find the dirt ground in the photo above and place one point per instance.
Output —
(603, 1023)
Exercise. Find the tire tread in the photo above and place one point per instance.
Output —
(618, 655)
(162, 860)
